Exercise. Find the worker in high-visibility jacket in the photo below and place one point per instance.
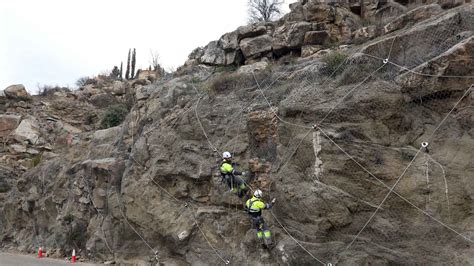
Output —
(229, 175)
(254, 207)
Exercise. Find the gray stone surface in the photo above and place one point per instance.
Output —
(154, 178)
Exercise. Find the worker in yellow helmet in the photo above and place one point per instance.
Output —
(254, 207)
(229, 175)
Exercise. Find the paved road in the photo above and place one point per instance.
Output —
(9, 259)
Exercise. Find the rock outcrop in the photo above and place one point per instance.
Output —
(17, 92)
(327, 145)
(325, 24)
(8, 123)
(311, 26)
(27, 131)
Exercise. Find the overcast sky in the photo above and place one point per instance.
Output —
(54, 42)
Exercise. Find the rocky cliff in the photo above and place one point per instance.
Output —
(327, 112)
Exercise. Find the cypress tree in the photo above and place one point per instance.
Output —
(121, 70)
(134, 61)
(127, 72)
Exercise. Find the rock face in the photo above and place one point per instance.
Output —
(213, 54)
(290, 36)
(313, 22)
(326, 24)
(415, 15)
(17, 92)
(456, 61)
(328, 147)
(253, 47)
(8, 123)
(456, 24)
(316, 37)
(28, 131)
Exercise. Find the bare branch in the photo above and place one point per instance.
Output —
(154, 60)
(263, 10)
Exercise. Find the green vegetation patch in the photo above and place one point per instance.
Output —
(113, 116)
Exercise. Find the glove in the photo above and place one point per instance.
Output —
(273, 200)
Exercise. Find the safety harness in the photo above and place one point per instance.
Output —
(223, 175)
(254, 213)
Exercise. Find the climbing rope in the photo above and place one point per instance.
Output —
(284, 164)
(394, 192)
(213, 148)
(311, 128)
(385, 61)
(450, 111)
(296, 241)
(350, 92)
(89, 192)
(384, 199)
(155, 252)
(187, 204)
(413, 71)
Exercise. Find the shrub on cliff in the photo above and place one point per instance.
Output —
(333, 63)
(113, 116)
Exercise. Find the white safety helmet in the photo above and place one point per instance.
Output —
(258, 193)
(226, 155)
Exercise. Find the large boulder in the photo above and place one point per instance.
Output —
(317, 37)
(436, 35)
(106, 135)
(314, 10)
(250, 31)
(457, 61)
(229, 41)
(28, 130)
(8, 123)
(255, 67)
(413, 16)
(290, 36)
(254, 47)
(214, 54)
(17, 92)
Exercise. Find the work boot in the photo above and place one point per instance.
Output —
(268, 243)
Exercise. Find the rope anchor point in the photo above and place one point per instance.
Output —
(424, 144)
(385, 61)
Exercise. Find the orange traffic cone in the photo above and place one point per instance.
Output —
(73, 258)
(40, 252)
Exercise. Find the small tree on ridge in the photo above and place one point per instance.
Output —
(263, 10)
(134, 61)
(127, 72)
